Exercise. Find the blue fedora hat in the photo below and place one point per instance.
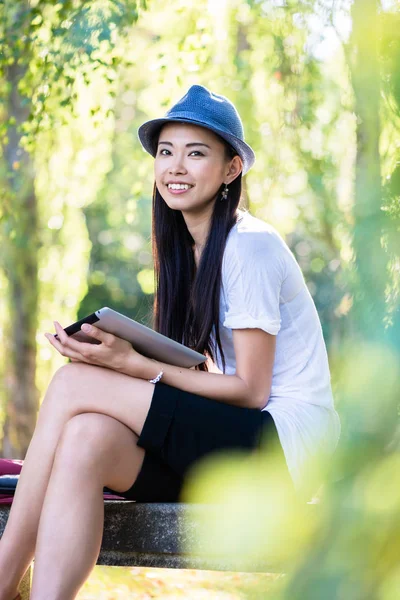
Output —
(201, 107)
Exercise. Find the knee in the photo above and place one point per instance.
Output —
(82, 441)
(70, 374)
(66, 384)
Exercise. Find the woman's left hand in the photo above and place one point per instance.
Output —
(112, 351)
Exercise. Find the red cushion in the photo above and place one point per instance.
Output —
(8, 466)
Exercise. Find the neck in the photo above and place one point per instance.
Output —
(198, 226)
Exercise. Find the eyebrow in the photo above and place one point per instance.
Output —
(187, 145)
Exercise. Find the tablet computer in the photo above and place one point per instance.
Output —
(148, 342)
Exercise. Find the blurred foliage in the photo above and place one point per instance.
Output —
(318, 87)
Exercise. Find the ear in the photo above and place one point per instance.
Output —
(234, 168)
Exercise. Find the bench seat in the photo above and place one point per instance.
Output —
(155, 535)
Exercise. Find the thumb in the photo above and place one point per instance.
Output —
(92, 331)
(97, 334)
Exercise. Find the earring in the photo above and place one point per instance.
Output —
(224, 195)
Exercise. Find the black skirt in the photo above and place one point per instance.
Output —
(182, 428)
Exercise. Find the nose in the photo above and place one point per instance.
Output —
(177, 166)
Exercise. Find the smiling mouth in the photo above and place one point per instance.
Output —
(179, 186)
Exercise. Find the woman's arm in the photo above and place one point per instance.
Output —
(249, 387)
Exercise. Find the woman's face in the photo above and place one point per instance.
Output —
(190, 167)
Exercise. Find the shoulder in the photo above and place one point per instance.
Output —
(253, 239)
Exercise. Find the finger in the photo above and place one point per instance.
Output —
(63, 350)
(98, 334)
(61, 335)
(82, 348)
(58, 345)
(87, 351)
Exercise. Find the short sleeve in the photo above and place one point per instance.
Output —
(252, 274)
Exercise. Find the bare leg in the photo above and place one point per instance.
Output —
(94, 451)
(76, 388)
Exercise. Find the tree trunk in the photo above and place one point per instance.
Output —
(20, 263)
(370, 259)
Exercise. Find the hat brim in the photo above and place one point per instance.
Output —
(148, 138)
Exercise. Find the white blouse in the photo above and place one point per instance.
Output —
(263, 287)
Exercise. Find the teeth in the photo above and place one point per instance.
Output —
(178, 186)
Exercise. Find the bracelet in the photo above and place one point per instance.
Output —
(157, 379)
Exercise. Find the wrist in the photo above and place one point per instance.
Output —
(157, 378)
(154, 371)
(142, 367)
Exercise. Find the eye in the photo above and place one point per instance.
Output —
(197, 152)
(164, 150)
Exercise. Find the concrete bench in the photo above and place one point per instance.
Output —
(154, 535)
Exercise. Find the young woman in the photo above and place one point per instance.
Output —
(227, 286)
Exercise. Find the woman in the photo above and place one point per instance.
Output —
(228, 286)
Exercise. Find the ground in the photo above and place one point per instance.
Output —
(113, 583)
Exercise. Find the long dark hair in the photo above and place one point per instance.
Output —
(186, 303)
